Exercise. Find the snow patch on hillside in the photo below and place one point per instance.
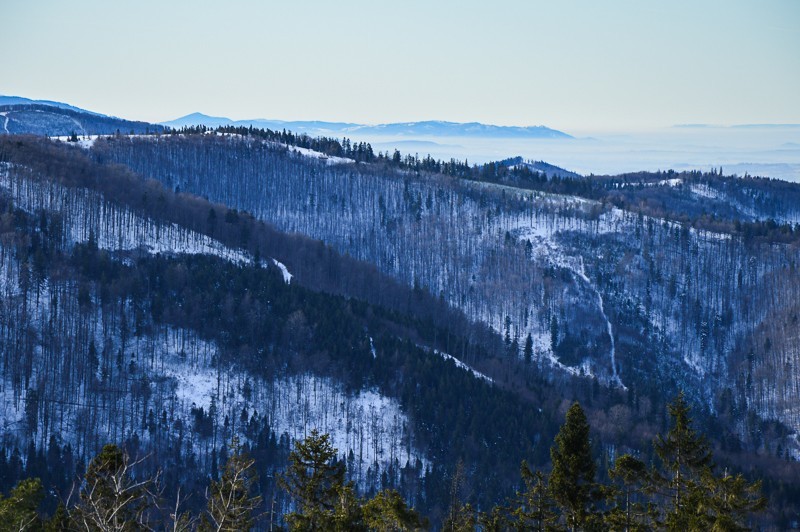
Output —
(287, 277)
(477, 374)
(704, 191)
(87, 215)
(85, 141)
(182, 374)
(329, 159)
(365, 422)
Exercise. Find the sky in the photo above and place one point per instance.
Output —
(571, 65)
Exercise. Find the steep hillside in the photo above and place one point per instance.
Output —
(167, 323)
(420, 318)
(637, 302)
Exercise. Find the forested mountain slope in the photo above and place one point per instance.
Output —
(633, 300)
(135, 315)
(136, 312)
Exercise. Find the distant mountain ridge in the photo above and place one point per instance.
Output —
(457, 129)
(19, 100)
(427, 128)
(57, 121)
(19, 116)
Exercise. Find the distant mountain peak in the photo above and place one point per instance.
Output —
(198, 119)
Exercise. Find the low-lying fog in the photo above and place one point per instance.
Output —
(768, 151)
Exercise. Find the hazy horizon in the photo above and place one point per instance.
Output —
(575, 132)
(770, 151)
(579, 130)
(619, 75)
(582, 66)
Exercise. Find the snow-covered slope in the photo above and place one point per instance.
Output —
(164, 375)
(601, 291)
(86, 214)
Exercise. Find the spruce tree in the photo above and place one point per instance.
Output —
(460, 516)
(496, 520)
(535, 509)
(630, 510)
(528, 353)
(460, 519)
(695, 498)
(387, 511)
(686, 457)
(572, 480)
(348, 514)
(59, 521)
(730, 500)
(315, 481)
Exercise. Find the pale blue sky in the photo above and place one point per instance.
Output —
(572, 65)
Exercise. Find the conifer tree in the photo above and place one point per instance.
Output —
(535, 509)
(460, 519)
(572, 480)
(633, 481)
(730, 500)
(18, 510)
(348, 515)
(315, 481)
(685, 456)
(59, 521)
(496, 520)
(696, 497)
(528, 353)
(387, 511)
